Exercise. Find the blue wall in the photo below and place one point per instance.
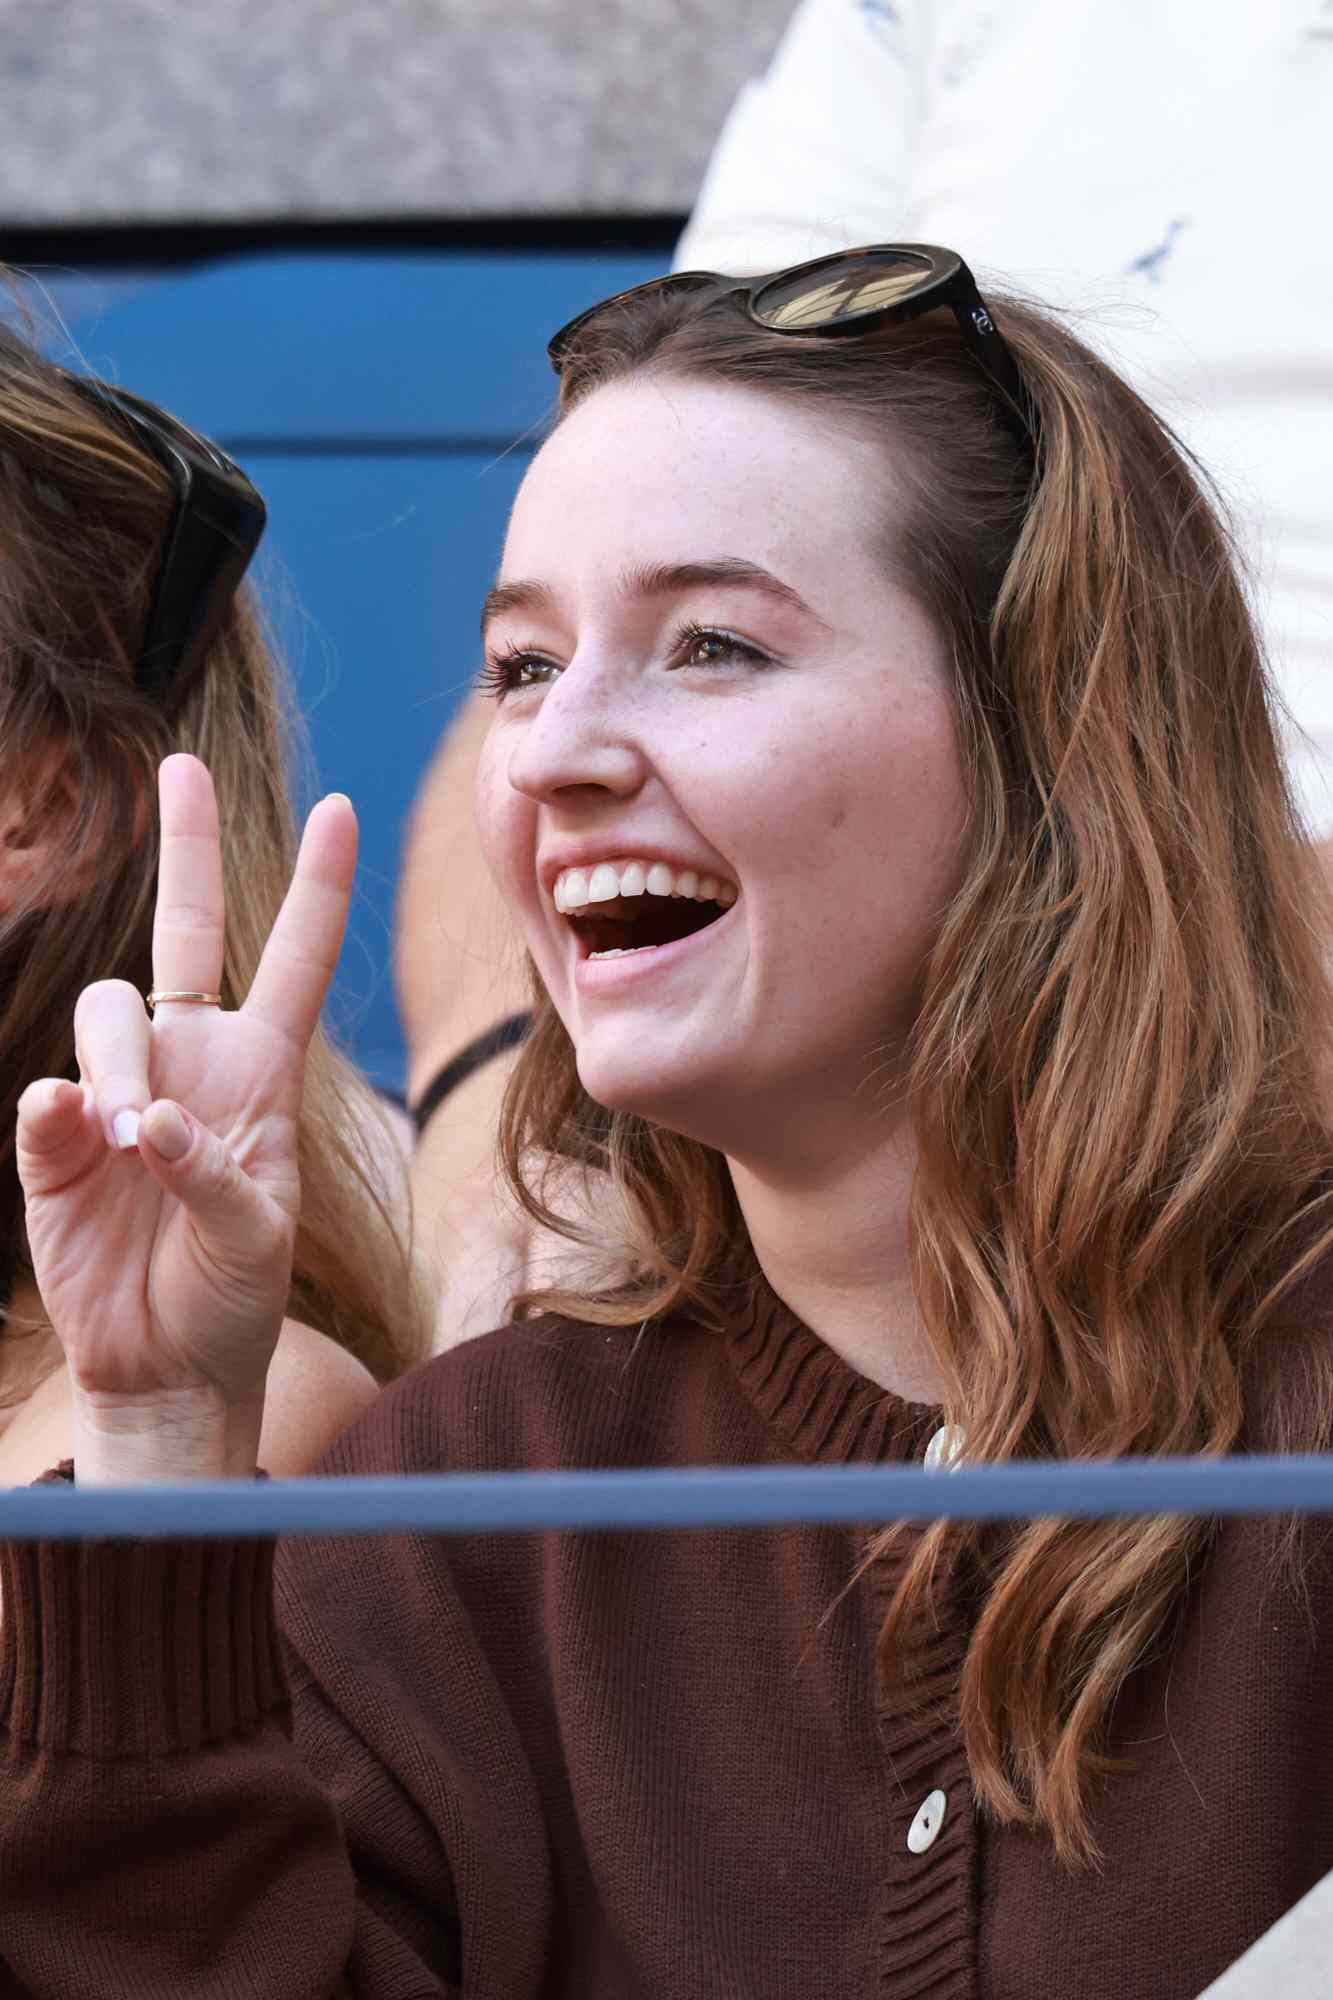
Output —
(386, 406)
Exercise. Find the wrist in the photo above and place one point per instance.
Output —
(166, 1434)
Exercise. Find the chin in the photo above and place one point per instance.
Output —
(678, 1096)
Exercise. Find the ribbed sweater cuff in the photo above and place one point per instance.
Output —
(123, 1648)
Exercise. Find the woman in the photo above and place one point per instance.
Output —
(122, 639)
(869, 114)
(883, 779)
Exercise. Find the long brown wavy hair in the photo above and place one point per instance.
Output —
(1119, 1075)
(83, 514)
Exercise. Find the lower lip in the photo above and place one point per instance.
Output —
(614, 975)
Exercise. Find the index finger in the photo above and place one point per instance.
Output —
(293, 979)
(190, 917)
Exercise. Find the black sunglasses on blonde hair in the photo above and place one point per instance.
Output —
(852, 292)
(215, 528)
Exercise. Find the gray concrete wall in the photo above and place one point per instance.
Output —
(176, 109)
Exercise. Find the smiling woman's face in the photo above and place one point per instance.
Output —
(707, 671)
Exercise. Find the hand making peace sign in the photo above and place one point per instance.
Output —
(162, 1192)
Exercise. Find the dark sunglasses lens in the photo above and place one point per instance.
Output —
(841, 291)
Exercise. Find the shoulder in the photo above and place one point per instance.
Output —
(543, 1393)
(315, 1390)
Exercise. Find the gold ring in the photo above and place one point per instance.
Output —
(155, 998)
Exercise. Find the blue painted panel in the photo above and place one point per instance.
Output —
(375, 565)
(375, 572)
(345, 345)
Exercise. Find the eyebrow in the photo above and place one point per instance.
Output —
(502, 597)
(655, 580)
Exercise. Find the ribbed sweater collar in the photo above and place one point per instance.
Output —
(821, 1408)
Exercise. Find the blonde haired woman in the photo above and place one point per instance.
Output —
(883, 778)
(123, 639)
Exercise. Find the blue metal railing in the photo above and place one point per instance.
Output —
(686, 1497)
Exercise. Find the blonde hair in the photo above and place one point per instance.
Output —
(83, 512)
(1119, 1077)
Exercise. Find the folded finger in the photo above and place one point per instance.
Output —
(292, 981)
(58, 1135)
(111, 1038)
(190, 919)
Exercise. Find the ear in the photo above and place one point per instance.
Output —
(38, 808)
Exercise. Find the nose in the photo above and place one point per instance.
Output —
(580, 744)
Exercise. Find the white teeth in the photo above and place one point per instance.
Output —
(622, 951)
(575, 885)
(577, 888)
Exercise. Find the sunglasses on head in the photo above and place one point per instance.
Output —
(214, 530)
(851, 292)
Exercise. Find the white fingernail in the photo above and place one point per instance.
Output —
(125, 1126)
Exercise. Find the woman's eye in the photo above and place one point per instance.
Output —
(518, 668)
(704, 647)
(506, 673)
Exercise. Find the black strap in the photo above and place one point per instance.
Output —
(504, 1035)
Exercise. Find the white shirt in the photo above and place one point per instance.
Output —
(1161, 168)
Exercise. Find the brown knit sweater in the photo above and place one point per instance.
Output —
(604, 1766)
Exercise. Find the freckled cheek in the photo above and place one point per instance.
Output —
(886, 815)
(790, 814)
(738, 794)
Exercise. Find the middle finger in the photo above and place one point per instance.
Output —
(290, 986)
(190, 919)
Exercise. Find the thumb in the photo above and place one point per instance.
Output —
(237, 1221)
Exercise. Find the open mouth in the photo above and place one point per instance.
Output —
(619, 927)
(638, 907)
